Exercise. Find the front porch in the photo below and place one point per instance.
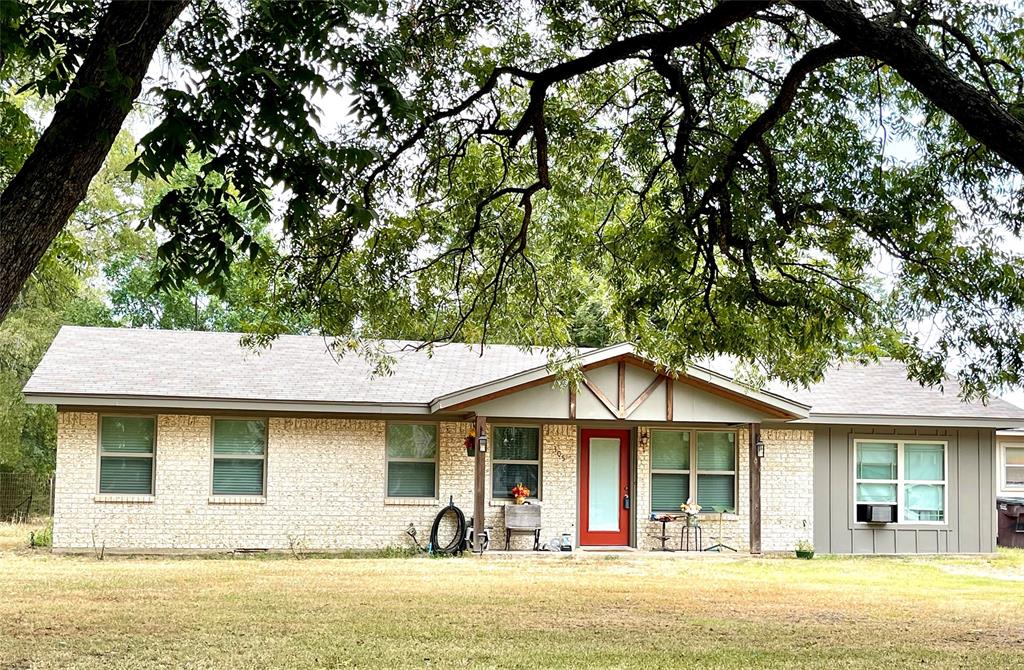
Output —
(604, 470)
(620, 509)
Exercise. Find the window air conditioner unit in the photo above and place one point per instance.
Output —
(876, 513)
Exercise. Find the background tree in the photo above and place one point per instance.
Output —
(100, 271)
(724, 169)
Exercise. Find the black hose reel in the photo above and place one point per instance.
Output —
(462, 541)
(458, 542)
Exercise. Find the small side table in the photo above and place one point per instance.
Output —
(698, 537)
(665, 519)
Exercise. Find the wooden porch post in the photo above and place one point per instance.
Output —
(755, 489)
(479, 485)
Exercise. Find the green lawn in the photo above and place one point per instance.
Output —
(636, 611)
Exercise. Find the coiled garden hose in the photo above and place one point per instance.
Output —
(457, 543)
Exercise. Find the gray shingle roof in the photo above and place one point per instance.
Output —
(203, 365)
(882, 389)
(189, 364)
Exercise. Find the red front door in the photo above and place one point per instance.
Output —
(604, 487)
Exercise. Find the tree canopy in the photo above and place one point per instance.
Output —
(726, 177)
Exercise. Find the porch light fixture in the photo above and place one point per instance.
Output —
(759, 447)
(481, 444)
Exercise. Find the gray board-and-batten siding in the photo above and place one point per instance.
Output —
(970, 515)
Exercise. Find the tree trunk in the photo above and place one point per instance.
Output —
(38, 202)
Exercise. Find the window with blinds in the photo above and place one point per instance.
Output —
(127, 454)
(412, 460)
(910, 474)
(515, 459)
(670, 470)
(693, 464)
(239, 457)
(716, 471)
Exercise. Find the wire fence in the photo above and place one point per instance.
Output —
(24, 495)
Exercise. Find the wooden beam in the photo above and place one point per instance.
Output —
(572, 402)
(755, 489)
(622, 389)
(479, 483)
(669, 398)
(599, 394)
(642, 398)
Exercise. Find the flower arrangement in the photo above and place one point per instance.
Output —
(520, 493)
(691, 509)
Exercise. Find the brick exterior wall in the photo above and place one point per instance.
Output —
(787, 489)
(735, 527)
(326, 485)
(787, 495)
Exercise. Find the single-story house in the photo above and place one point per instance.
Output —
(180, 441)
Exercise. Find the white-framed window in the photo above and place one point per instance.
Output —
(515, 459)
(239, 457)
(127, 448)
(411, 460)
(1012, 478)
(693, 464)
(910, 474)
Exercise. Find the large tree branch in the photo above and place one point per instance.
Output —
(903, 50)
(40, 199)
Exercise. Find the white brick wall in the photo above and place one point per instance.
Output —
(787, 489)
(325, 489)
(735, 527)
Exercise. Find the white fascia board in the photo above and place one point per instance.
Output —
(903, 420)
(305, 407)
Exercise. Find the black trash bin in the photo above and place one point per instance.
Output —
(1010, 512)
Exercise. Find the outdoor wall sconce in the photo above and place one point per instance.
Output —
(759, 447)
(472, 443)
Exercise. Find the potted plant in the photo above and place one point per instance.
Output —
(805, 550)
(520, 493)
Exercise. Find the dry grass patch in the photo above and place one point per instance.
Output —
(635, 611)
(15, 536)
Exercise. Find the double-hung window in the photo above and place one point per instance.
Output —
(716, 470)
(1013, 468)
(515, 459)
(126, 454)
(670, 469)
(239, 457)
(412, 460)
(910, 474)
(674, 479)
